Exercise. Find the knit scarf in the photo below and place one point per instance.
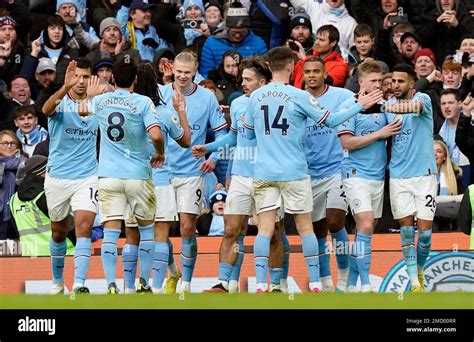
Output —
(37, 135)
(336, 11)
(131, 36)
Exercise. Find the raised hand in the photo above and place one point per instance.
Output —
(71, 79)
(35, 47)
(119, 47)
(198, 151)
(93, 87)
(368, 100)
(179, 102)
(468, 106)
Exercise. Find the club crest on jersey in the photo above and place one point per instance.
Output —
(315, 102)
(376, 116)
(174, 118)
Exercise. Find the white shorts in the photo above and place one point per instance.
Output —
(189, 194)
(327, 193)
(165, 207)
(165, 204)
(364, 195)
(115, 195)
(64, 194)
(413, 196)
(296, 195)
(240, 198)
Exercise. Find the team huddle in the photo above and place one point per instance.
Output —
(317, 152)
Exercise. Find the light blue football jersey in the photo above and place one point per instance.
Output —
(323, 148)
(412, 149)
(73, 139)
(368, 162)
(170, 128)
(276, 116)
(202, 109)
(236, 144)
(124, 119)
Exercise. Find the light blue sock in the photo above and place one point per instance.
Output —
(129, 261)
(261, 249)
(364, 254)
(324, 257)
(423, 247)
(109, 254)
(188, 257)
(310, 252)
(353, 269)
(340, 241)
(238, 264)
(170, 256)
(409, 251)
(82, 258)
(225, 271)
(58, 252)
(146, 250)
(160, 263)
(275, 275)
(286, 254)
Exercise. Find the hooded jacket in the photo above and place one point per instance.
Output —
(30, 187)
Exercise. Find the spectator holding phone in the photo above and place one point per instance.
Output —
(452, 22)
(193, 23)
(72, 11)
(301, 34)
(373, 13)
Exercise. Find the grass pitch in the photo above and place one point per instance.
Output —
(433, 300)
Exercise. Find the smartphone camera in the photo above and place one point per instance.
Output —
(192, 24)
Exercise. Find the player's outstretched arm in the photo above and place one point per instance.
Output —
(179, 104)
(405, 107)
(230, 140)
(333, 119)
(350, 142)
(70, 80)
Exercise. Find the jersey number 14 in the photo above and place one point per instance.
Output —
(275, 124)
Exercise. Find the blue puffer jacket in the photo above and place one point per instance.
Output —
(215, 47)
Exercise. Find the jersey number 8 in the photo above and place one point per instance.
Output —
(115, 131)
